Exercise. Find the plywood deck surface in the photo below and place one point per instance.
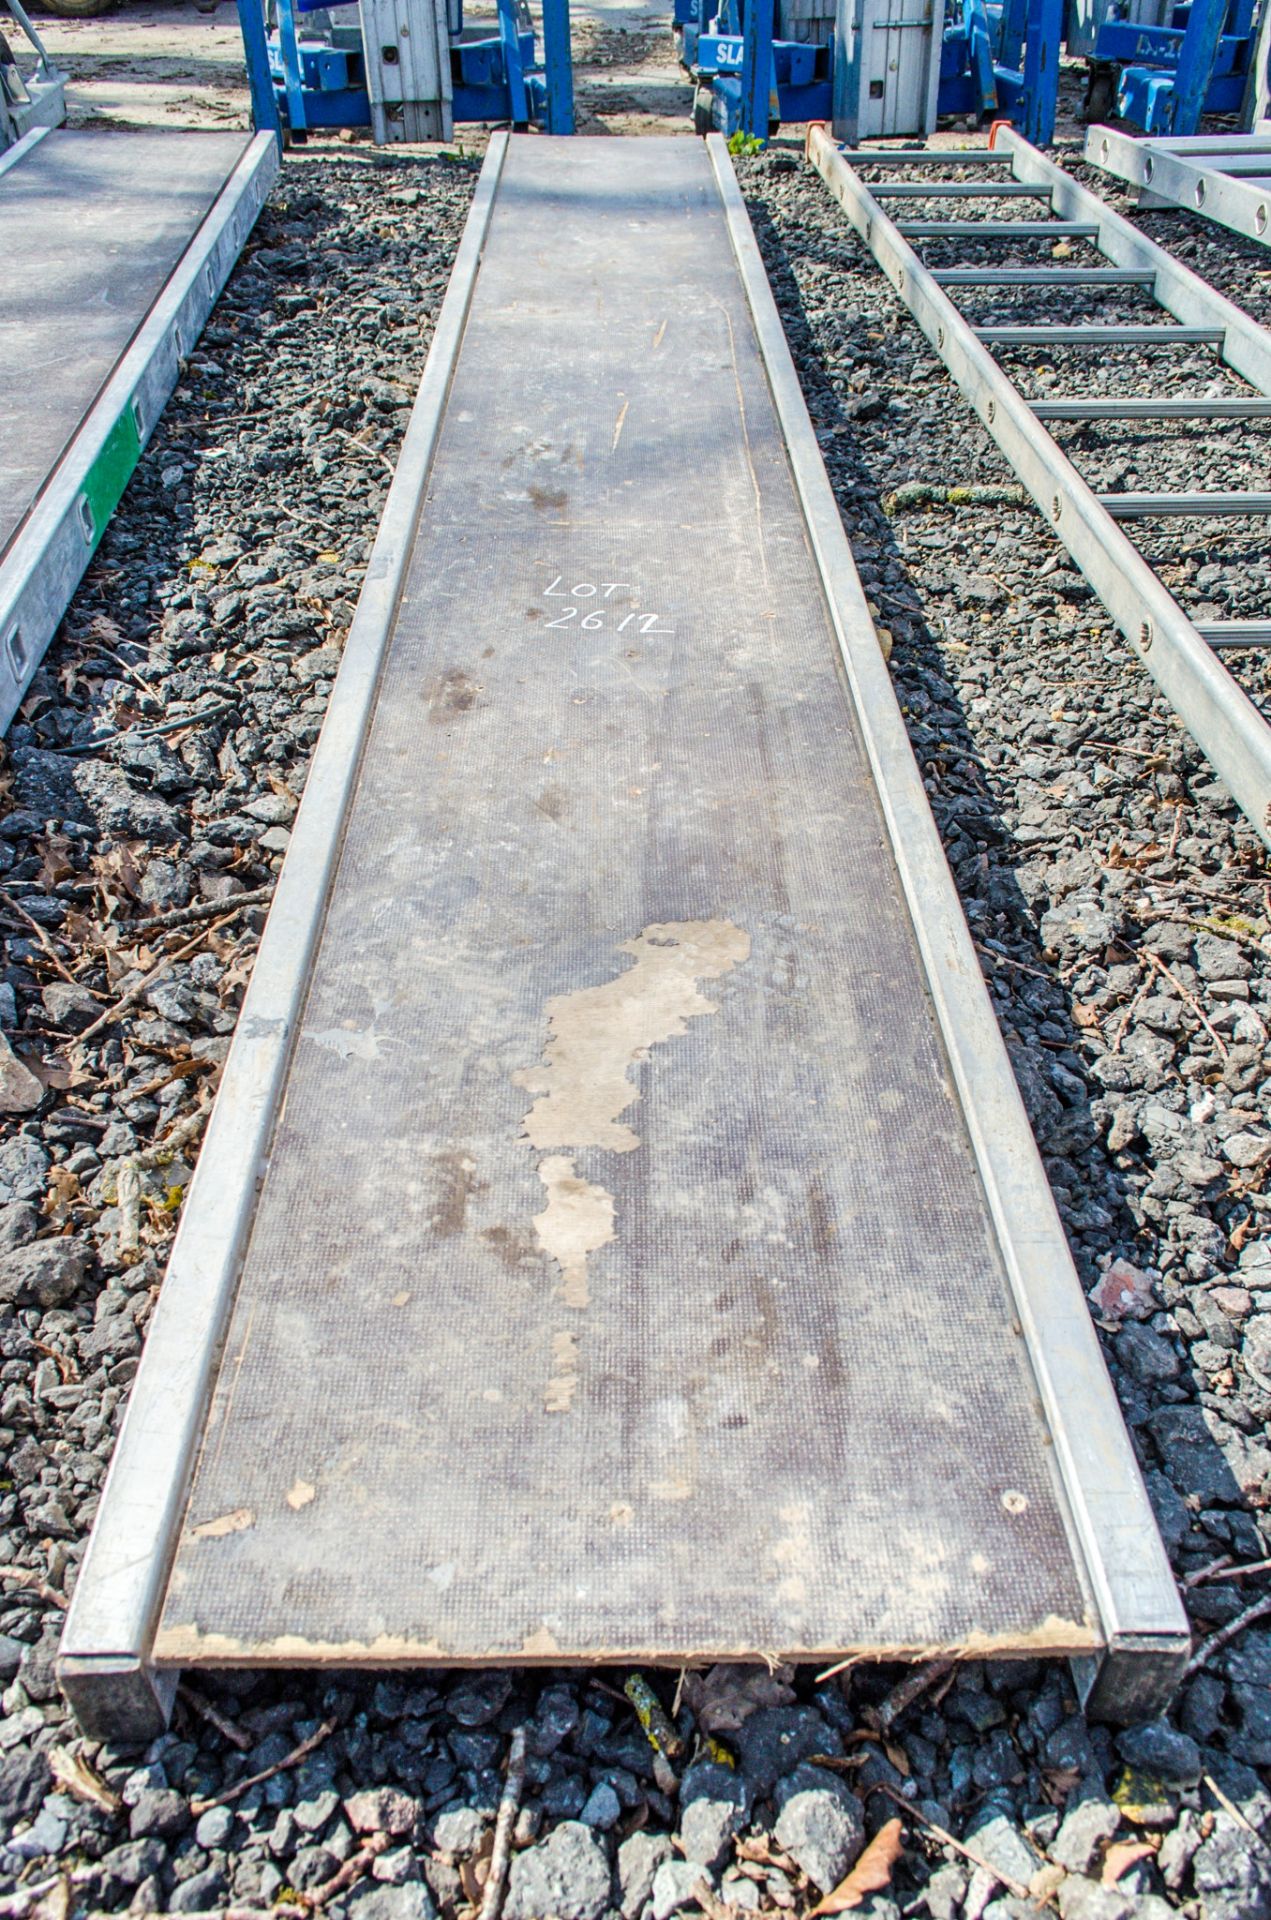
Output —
(92, 226)
(622, 1282)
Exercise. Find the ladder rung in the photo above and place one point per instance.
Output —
(1100, 336)
(1140, 506)
(1042, 277)
(957, 190)
(1235, 633)
(1144, 407)
(997, 229)
(923, 157)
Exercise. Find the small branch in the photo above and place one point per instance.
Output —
(170, 960)
(1004, 960)
(202, 910)
(1155, 960)
(54, 958)
(293, 1759)
(911, 1688)
(354, 1867)
(24, 1577)
(509, 1805)
(946, 1839)
(1222, 1569)
(353, 441)
(1217, 1641)
(1130, 1012)
(215, 1718)
(1229, 1806)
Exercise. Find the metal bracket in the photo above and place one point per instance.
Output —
(117, 1698)
(1134, 1679)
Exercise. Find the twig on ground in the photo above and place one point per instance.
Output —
(1129, 1013)
(1154, 959)
(14, 1905)
(215, 1718)
(505, 1820)
(906, 1691)
(126, 1000)
(1217, 1641)
(1222, 1569)
(1004, 960)
(202, 910)
(241, 1787)
(128, 1203)
(362, 445)
(25, 1577)
(946, 1839)
(54, 957)
(354, 1867)
(1229, 1806)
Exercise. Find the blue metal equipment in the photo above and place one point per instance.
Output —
(749, 79)
(1163, 76)
(1000, 60)
(997, 59)
(301, 84)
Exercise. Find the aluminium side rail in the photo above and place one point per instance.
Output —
(49, 553)
(1225, 177)
(1177, 653)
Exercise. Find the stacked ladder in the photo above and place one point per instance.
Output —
(1178, 652)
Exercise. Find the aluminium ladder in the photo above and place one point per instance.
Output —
(1178, 652)
(618, 1236)
(1226, 176)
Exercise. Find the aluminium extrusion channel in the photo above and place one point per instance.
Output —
(1224, 177)
(618, 1236)
(124, 241)
(1178, 653)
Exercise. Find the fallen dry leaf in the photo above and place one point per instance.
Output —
(871, 1873)
(1121, 1857)
(55, 864)
(724, 1698)
(74, 1775)
(1058, 1783)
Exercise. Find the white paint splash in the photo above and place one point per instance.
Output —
(584, 1086)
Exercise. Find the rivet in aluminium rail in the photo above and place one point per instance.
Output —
(138, 418)
(1056, 507)
(1103, 151)
(939, 336)
(1200, 193)
(1260, 219)
(991, 411)
(1149, 165)
(1145, 635)
(85, 512)
(15, 652)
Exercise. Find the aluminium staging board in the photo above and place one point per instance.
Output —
(116, 245)
(618, 1237)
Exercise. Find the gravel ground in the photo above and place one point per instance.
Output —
(1121, 908)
